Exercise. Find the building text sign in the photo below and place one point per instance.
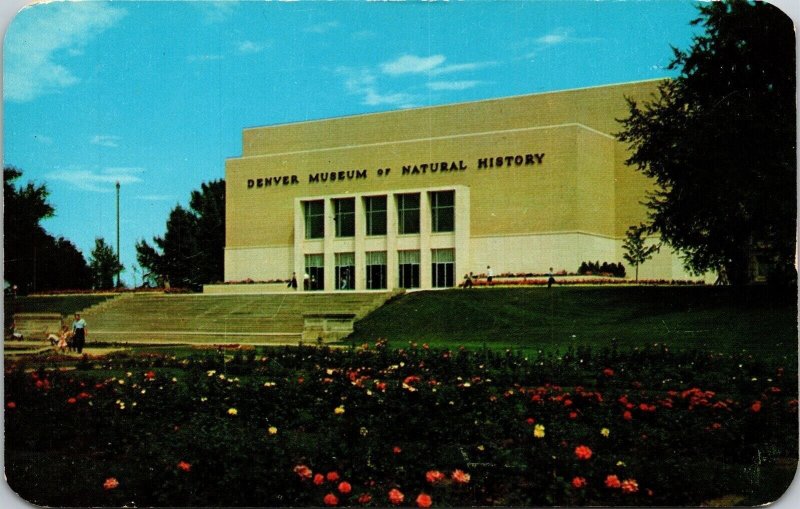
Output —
(452, 166)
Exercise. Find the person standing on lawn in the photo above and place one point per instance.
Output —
(489, 275)
(79, 329)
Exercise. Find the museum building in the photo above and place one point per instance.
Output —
(417, 198)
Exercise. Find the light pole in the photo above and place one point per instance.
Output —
(118, 234)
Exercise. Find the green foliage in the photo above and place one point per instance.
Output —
(191, 252)
(596, 268)
(719, 140)
(104, 265)
(636, 252)
(33, 259)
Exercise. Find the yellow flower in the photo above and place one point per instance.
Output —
(339, 410)
(621, 463)
(272, 430)
(121, 381)
(538, 431)
(605, 432)
(232, 411)
(211, 372)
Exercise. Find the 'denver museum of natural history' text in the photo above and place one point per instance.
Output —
(417, 198)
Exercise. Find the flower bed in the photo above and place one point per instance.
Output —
(411, 427)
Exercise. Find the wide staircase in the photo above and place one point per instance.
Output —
(218, 319)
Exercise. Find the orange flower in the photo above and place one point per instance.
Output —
(396, 449)
(460, 476)
(345, 488)
(424, 500)
(630, 486)
(434, 476)
(332, 476)
(364, 498)
(303, 471)
(396, 496)
(330, 499)
(186, 467)
(578, 482)
(319, 479)
(583, 453)
(111, 484)
(612, 481)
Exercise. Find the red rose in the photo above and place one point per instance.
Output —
(11, 404)
(364, 498)
(72, 401)
(460, 476)
(186, 467)
(627, 416)
(332, 476)
(424, 500)
(756, 407)
(150, 375)
(319, 479)
(330, 499)
(303, 471)
(573, 415)
(578, 482)
(608, 372)
(396, 496)
(397, 450)
(629, 486)
(612, 481)
(583, 453)
(434, 476)
(111, 484)
(345, 488)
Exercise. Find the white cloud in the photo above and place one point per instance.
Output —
(364, 34)
(471, 66)
(411, 64)
(103, 181)
(321, 28)
(105, 140)
(155, 197)
(217, 11)
(452, 85)
(203, 58)
(553, 38)
(42, 34)
(44, 140)
(250, 47)
(364, 83)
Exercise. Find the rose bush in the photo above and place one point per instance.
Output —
(412, 426)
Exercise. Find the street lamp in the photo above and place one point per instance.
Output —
(118, 270)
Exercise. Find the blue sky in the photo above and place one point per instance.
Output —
(155, 94)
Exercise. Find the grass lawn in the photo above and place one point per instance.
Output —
(758, 320)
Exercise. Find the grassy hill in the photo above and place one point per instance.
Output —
(759, 319)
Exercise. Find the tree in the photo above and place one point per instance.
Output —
(719, 141)
(33, 259)
(636, 252)
(104, 265)
(191, 252)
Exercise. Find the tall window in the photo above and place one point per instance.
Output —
(375, 209)
(315, 268)
(344, 212)
(314, 212)
(408, 269)
(345, 271)
(442, 268)
(443, 211)
(408, 213)
(376, 270)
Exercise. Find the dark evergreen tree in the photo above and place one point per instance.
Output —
(191, 252)
(104, 265)
(719, 140)
(33, 259)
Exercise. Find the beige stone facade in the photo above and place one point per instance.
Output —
(520, 184)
